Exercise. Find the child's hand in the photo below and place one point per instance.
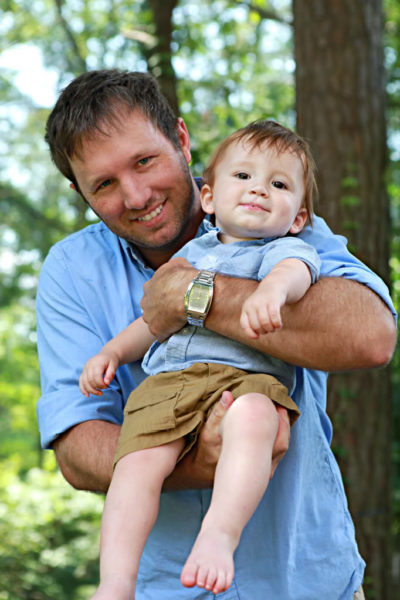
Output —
(261, 312)
(98, 373)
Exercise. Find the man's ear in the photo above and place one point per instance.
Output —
(206, 199)
(299, 221)
(184, 139)
(72, 186)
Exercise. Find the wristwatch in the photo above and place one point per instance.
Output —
(198, 298)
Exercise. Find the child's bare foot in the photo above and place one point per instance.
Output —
(210, 563)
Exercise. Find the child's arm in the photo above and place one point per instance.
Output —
(286, 283)
(129, 345)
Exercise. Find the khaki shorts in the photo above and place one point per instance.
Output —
(170, 406)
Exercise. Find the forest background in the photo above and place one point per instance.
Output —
(330, 69)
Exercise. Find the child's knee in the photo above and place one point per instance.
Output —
(254, 411)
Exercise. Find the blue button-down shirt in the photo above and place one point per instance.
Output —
(299, 544)
(251, 259)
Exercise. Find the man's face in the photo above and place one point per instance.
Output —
(140, 185)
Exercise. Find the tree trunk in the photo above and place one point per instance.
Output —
(340, 106)
(160, 59)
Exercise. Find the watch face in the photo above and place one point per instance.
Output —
(199, 298)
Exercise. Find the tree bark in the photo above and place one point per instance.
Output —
(340, 102)
(160, 57)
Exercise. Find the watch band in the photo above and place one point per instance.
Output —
(196, 322)
(198, 298)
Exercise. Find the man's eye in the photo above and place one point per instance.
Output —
(242, 175)
(104, 184)
(279, 184)
(144, 161)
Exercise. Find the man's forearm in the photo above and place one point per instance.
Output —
(339, 324)
(85, 454)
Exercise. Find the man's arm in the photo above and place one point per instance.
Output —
(85, 453)
(339, 324)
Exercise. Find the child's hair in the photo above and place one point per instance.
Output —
(270, 133)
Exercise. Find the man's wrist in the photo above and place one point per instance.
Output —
(198, 298)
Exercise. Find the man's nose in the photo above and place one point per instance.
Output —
(135, 194)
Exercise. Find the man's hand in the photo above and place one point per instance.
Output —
(282, 438)
(208, 447)
(163, 301)
(197, 469)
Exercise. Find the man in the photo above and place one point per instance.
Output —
(113, 136)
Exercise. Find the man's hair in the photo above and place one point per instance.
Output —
(269, 133)
(97, 99)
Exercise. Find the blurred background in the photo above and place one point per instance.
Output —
(329, 69)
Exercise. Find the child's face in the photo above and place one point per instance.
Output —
(257, 193)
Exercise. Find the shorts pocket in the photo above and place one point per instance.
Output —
(151, 411)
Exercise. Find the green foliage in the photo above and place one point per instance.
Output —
(49, 538)
(392, 54)
(74, 36)
(392, 39)
(233, 67)
(233, 61)
(19, 438)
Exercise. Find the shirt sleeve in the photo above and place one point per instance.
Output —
(66, 339)
(337, 261)
(290, 247)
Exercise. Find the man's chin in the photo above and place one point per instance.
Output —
(160, 242)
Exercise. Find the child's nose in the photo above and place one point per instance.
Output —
(259, 189)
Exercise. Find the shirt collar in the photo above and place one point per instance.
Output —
(213, 230)
(135, 254)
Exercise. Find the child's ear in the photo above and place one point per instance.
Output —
(299, 221)
(206, 199)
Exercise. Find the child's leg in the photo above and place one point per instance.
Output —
(129, 514)
(248, 433)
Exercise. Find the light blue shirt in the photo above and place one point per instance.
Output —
(299, 544)
(251, 259)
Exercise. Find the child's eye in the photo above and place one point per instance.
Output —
(279, 184)
(242, 175)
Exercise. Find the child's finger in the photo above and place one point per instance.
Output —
(86, 388)
(94, 389)
(83, 389)
(95, 392)
(109, 375)
(248, 329)
(275, 318)
(98, 382)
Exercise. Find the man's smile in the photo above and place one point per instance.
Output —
(150, 215)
